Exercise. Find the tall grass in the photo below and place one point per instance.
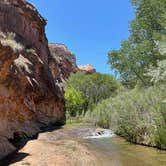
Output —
(139, 115)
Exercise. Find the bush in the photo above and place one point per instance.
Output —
(9, 40)
(95, 87)
(75, 102)
(139, 115)
(30, 51)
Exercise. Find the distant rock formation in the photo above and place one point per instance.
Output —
(30, 97)
(89, 69)
(64, 59)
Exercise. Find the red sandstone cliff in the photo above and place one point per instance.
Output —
(30, 97)
(88, 69)
(66, 61)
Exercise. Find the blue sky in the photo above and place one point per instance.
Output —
(89, 28)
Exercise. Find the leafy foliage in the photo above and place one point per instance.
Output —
(158, 74)
(30, 51)
(91, 88)
(139, 115)
(143, 48)
(9, 40)
(75, 102)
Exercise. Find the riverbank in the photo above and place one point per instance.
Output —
(58, 147)
(67, 146)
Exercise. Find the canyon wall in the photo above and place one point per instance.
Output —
(64, 59)
(31, 97)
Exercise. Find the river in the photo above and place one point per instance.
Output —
(115, 151)
(81, 145)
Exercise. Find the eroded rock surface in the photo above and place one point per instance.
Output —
(30, 99)
(22, 18)
(66, 61)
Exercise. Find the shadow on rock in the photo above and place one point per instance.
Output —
(17, 157)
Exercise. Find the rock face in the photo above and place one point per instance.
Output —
(89, 69)
(22, 18)
(30, 98)
(66, 61)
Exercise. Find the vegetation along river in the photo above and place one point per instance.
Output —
(115, 151)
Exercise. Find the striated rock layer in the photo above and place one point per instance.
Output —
(30, 97)
(66, 61)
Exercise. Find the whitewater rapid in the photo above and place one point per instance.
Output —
(103, 133)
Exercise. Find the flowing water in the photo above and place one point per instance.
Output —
(115, 151)
(109, 149)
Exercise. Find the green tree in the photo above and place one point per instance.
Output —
(94, 88)
(75, 101)
(140, 50)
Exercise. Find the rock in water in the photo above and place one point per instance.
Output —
(30, 97)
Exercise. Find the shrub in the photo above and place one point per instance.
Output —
(9, 40)
(139, 115)
(30, 51)
(95, 87)
(75, 102)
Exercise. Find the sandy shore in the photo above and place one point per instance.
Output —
(61, 147)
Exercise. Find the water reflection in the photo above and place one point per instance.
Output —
(116, 151)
